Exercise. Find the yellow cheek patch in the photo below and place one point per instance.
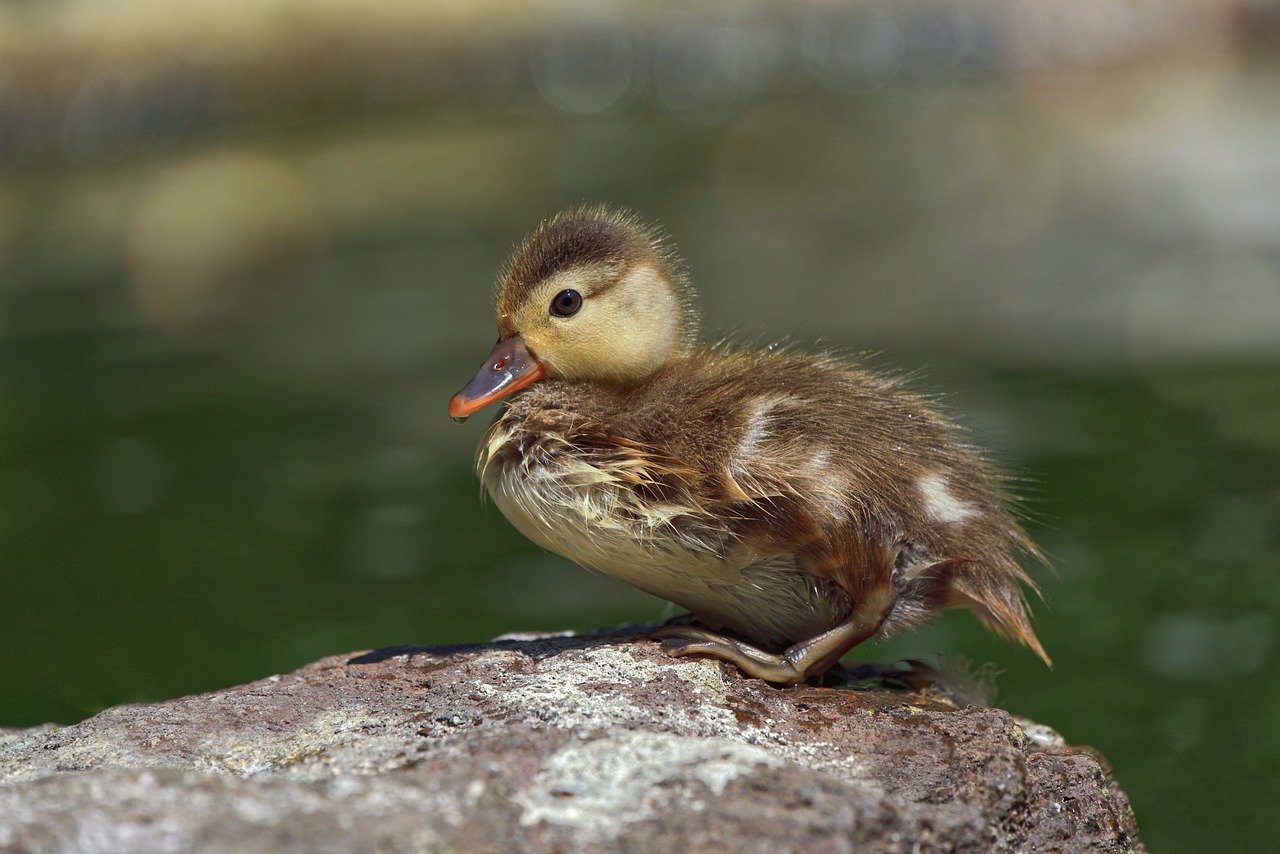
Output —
(624, 331)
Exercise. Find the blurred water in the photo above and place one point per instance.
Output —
(238, 285)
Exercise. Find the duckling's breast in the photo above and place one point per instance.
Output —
(598, 505)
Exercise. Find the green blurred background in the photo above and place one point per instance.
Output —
(246, 255)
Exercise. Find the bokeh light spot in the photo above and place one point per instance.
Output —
(583, 69)
(133, 475)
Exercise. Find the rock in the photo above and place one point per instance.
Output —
(548, 744)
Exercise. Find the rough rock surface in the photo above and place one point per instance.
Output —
(549, 744)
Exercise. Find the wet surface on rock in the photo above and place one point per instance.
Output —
(550, 744)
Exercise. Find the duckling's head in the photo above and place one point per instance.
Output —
(592, 294)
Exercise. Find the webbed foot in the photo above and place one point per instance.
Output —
(796, 664)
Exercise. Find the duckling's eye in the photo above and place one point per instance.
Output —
(566, 303)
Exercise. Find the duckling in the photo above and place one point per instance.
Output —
(796, 505)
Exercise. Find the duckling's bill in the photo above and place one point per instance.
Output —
(509, 368)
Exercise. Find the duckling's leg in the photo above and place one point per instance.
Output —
(808, 658)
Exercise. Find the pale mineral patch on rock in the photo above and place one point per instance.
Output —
(628, 777)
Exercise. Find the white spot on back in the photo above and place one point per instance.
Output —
(757, 430)
(940, 503)
(831, 489)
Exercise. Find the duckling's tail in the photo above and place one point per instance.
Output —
(996, 598)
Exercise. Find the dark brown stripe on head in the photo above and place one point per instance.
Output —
(576, 240)
(591, 236)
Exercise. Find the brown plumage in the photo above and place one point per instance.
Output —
(796, 505)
